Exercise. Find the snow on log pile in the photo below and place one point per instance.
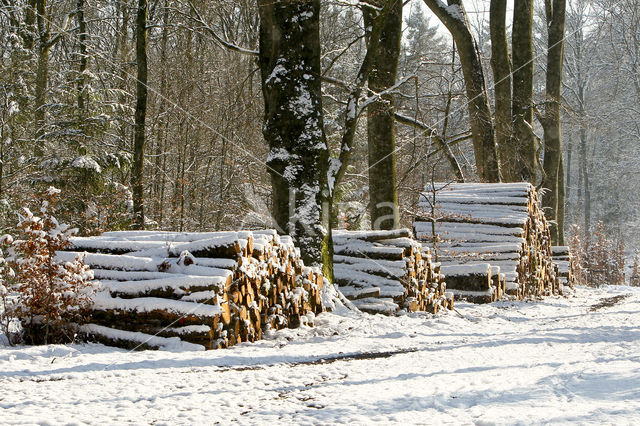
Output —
(492, 240)
(212, 289)
(387, 271)
(566, 266)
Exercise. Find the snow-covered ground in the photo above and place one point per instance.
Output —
(560, 360)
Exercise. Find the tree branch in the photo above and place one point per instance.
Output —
(371, 99)
(433, 134)
(200, 20)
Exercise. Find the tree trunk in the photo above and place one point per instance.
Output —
(293, 125)
(501, 66)
(121, 59)
(454, 18)
(352, 112)
(29, 25)
(553, 180)
(163, 126)
(137, 169)
(568, 172)
(82, 54)
(381, 131)
(561, 202)
(42, 74)
(522, 107)
(584, 172)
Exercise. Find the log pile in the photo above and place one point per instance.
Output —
(211, 289)
(492, 237)
(387, 271)
(566, 265)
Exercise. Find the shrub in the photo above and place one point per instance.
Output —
(600, 259)
(49, 295)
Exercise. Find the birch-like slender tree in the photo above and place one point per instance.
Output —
(137, 172)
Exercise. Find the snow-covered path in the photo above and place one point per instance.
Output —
(558, 360)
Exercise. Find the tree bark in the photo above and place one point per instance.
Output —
(293, 125)
(29, 25)
(501, 66)
(568, 171)
(42, 74)
(82, 53)
(163, 127)
(553, 168)
(137, 169)
(381, 130)
(522, 106)
(454, 18)
(561, 202)
(584, 173)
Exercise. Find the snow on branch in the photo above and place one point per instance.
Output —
(376, 96)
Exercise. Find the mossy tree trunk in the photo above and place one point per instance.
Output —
(298, 160)
(522, 105)
(381, 129)
(553, 162)
(501, 67)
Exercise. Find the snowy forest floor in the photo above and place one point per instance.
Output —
(562, 360)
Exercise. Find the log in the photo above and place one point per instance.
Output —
(378, 252)
(133, 340)
(173, 287)
(217, 247)
(474, 277)
(370, 236)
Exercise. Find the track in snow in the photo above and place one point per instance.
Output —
(556, 360)
(608, 302)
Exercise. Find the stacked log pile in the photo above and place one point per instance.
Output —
(211, 289)
(566, 265)
(387, 271)
(492, 237)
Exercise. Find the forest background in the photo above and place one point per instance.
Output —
(71, 85)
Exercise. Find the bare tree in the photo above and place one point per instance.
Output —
(454, 18)
(522, 104)
(501, 66)
(383, 196)
(553, 199)
(137, 173)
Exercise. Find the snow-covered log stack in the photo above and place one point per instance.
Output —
(475, 282)
(214, 289)
(492, 239)
(387, 271)
(566, 266)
